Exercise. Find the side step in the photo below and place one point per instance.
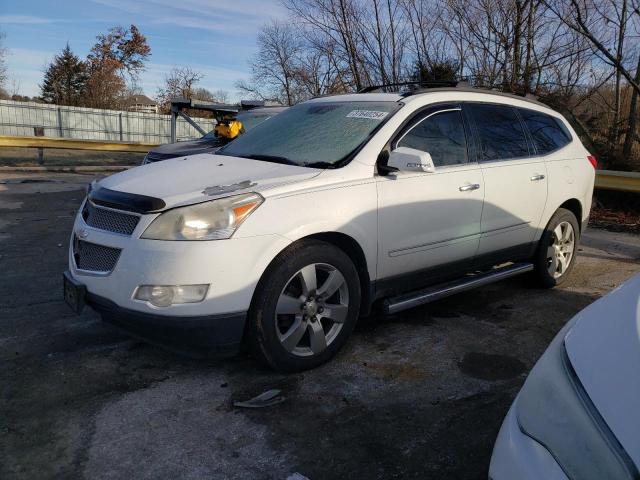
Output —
(413, 299)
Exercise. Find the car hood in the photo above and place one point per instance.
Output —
(185, 148)
(604, 349)
(197, 178)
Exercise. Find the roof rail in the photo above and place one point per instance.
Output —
(413, 85)
(416, 87)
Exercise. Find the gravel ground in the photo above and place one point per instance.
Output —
(418, 395)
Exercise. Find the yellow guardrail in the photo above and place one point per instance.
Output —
(74, 144)
(605, 179)
(620, 181)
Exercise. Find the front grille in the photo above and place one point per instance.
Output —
(110, 220)
(93, 257)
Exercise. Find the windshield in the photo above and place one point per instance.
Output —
(250, 120)
(314, 134)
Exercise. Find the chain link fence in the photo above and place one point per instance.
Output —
(29, 119)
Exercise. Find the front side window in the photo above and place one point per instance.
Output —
(313, 134)
(500, 133)
(441, 134)
(548, 133)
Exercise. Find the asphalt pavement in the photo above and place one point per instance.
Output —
(420, 394)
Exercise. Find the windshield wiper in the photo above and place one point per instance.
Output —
(272, 158)
(319, 165)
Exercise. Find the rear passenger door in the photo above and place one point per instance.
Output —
(515, 180)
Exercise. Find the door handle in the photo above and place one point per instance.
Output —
(537, 178)
(469, 186)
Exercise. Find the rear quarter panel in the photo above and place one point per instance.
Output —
(570, 176)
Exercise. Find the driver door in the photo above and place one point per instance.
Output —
(429, 223)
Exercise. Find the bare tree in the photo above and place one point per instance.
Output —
(273, 68)
(606, 26)
(580, 56)
(221, 96)
(337, 21)
(3, 62)
(179, 82)
(595, 22)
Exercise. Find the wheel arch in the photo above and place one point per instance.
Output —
(352, 248)
(348, 245)
(574, 206)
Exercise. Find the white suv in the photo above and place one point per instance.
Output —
(294, 230)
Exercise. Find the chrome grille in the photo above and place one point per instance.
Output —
(93, 257)
(108, 219)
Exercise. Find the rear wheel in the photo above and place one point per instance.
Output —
(557, 249)
(305, 307)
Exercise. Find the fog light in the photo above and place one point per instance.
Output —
(165, 295)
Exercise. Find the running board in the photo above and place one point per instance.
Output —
(413, 299)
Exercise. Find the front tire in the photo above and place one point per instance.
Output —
(556, 253)
(305, 307)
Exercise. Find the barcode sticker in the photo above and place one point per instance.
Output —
(368, 114)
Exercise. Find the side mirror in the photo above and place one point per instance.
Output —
(410, 160)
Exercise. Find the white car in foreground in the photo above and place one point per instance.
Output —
(577, 415)
(295, 229)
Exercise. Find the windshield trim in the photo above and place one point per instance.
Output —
(351, 155)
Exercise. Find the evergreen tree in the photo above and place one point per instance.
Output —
(65, 79)
(435, 71)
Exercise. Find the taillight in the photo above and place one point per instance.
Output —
(593, 161)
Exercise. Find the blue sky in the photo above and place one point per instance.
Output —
(215, 37)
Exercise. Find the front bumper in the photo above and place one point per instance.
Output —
(198, 336)
(516, 455)
(231, 268)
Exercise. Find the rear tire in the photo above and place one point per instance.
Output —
(556, 253)
(305, 307)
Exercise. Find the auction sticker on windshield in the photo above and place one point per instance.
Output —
(369, 114)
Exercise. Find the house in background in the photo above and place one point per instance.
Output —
(141, 103)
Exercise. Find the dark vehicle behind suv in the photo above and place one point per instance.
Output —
(209, 142)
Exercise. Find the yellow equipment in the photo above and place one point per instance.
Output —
(229, 129)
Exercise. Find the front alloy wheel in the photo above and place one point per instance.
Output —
(305, 306)
(312, 309)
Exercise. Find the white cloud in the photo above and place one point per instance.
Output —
(259, 10)
(200, 23)
(22, 19)
(239, 16)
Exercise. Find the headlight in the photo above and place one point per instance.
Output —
(213, 220)
(554, 409)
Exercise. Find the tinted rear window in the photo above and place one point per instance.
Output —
(548, 133)
(500, 132)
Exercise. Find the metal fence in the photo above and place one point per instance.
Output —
(29, 119)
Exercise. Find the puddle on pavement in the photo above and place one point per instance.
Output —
(491, 367)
